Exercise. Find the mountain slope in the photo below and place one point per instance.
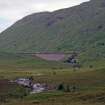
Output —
(80, 28)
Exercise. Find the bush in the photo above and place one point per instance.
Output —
(18, 92)
(61, 87)
(68, 88)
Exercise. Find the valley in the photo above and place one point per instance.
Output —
(55, 58)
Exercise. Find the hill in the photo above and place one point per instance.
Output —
(80, 28)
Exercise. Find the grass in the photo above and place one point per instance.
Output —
(60, 98)
(89, 82)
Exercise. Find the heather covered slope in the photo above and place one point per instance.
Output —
(80, 28)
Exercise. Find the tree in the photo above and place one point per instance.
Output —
(74, 88)
(68, 88)
(61, 87)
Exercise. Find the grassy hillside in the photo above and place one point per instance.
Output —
(80, 28)
(13, 61)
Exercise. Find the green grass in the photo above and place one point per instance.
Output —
(90, 82)
(44, 96)
(78, 32)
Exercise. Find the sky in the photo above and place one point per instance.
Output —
(13, 10)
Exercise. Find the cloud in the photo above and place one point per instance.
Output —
(12, 10)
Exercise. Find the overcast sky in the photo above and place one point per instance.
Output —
(13, 10)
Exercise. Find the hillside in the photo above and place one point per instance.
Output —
(80, 28)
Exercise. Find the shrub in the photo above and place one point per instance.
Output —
(68, 88)
(18, 92)
(61, 87)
